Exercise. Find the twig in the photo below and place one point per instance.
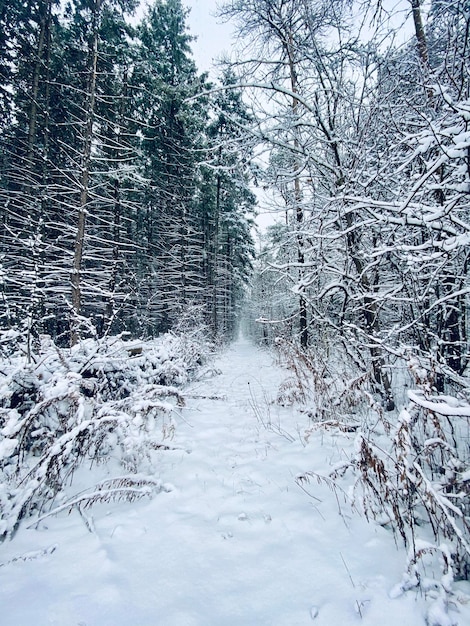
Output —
(347, 569)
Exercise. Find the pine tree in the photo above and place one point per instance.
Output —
(171, 128)
(227, 213)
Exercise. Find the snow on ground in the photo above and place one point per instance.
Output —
(232, 541)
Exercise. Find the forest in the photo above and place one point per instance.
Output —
(129, 252)
(364, 286)
(125, 194)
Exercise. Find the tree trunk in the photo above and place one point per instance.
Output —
(85, 176)
(420, 35)
(299, 213)
(215, 316)
(42, 40)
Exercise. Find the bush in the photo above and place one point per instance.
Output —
(98, 402)
(410, 471)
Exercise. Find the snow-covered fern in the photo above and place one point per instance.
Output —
(106, 402)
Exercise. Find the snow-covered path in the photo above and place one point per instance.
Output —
(233, 542)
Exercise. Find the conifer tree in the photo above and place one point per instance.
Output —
(171, 128)
(228, 213)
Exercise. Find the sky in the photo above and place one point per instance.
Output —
(213, 36)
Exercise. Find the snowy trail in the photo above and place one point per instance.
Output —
(234, 542)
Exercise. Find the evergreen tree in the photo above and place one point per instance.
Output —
(227, 213)
(51, 150)
(172, 127)
(106, 199)
(25, 151)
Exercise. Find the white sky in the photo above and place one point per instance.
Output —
(213, 37)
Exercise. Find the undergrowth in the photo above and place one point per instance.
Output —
(409, 471)
(104, 403)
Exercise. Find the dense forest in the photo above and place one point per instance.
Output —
(125, 196)
(128, 193)
(364, 285)
(369, 161)
(127, 178)
(364, 110)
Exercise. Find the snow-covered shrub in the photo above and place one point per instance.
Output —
(298, 385)
(333, 392)
(417, 480)
(409, 471)
(414, 477)
(107, 401)
(443, 602)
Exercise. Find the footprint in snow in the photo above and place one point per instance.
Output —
(228, 535)
(243, 517)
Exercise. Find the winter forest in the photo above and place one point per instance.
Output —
(134, 278)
